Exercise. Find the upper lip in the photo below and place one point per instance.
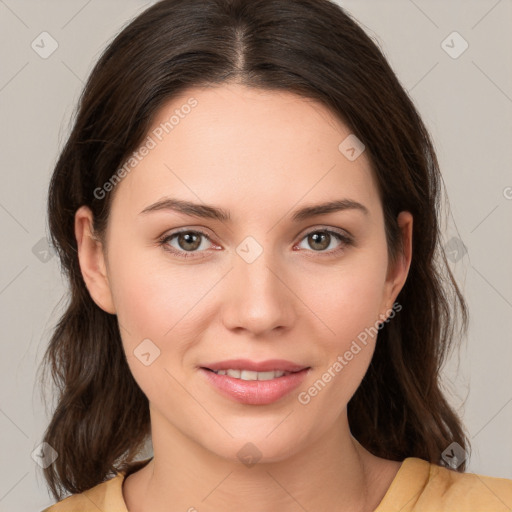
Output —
(255, 366)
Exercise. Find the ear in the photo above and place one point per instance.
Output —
(397, 273)
(92, 260)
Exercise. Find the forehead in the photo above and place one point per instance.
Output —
(242, 147)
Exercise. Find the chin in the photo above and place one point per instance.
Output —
(272, 445)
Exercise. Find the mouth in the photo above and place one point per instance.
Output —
(254, 383)
(251, 375)
(247, 365)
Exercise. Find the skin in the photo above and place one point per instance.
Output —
(261, 155)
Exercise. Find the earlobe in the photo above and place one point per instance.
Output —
(92, 261)
(397, 274)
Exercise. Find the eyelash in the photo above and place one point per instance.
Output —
(163, 242)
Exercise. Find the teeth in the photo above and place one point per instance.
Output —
(250, 375)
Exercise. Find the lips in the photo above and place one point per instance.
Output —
(255, 392)
(254, 366)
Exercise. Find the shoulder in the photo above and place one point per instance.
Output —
(469, 491)
(420, 486)
(107, 497)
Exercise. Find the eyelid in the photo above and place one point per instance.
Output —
(302, 234)
(166, 237)
(345, 238)
(342, 232)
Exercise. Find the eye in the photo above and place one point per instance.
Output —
(187, 241)
(321, 239)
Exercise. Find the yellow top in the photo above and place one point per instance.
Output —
(418, 486)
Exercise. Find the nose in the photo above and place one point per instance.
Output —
(258, 297)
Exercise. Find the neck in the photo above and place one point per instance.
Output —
(333, 473)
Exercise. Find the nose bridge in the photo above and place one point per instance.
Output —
(259, 276)
(257, 271)
(259, 299)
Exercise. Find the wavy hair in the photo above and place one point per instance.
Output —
(309, 47)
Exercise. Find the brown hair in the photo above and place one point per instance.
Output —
(312, 48)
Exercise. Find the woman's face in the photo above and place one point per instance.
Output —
(261, 283)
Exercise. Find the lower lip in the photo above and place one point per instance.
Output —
(255, 392)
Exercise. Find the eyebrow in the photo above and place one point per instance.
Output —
(213, 212)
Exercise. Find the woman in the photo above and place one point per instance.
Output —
(247, 211)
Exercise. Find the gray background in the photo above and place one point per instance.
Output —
(465, 101)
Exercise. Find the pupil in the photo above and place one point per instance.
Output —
(315, 239)
(188, 238)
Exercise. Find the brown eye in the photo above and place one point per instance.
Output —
(321, 241)
(189, 241)
(185, 244)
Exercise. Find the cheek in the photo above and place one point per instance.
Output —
(150, 294)
(164, 303)
(348, 304)
(346, 355)
(154, 308)
(346, 299)
(156, 299)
